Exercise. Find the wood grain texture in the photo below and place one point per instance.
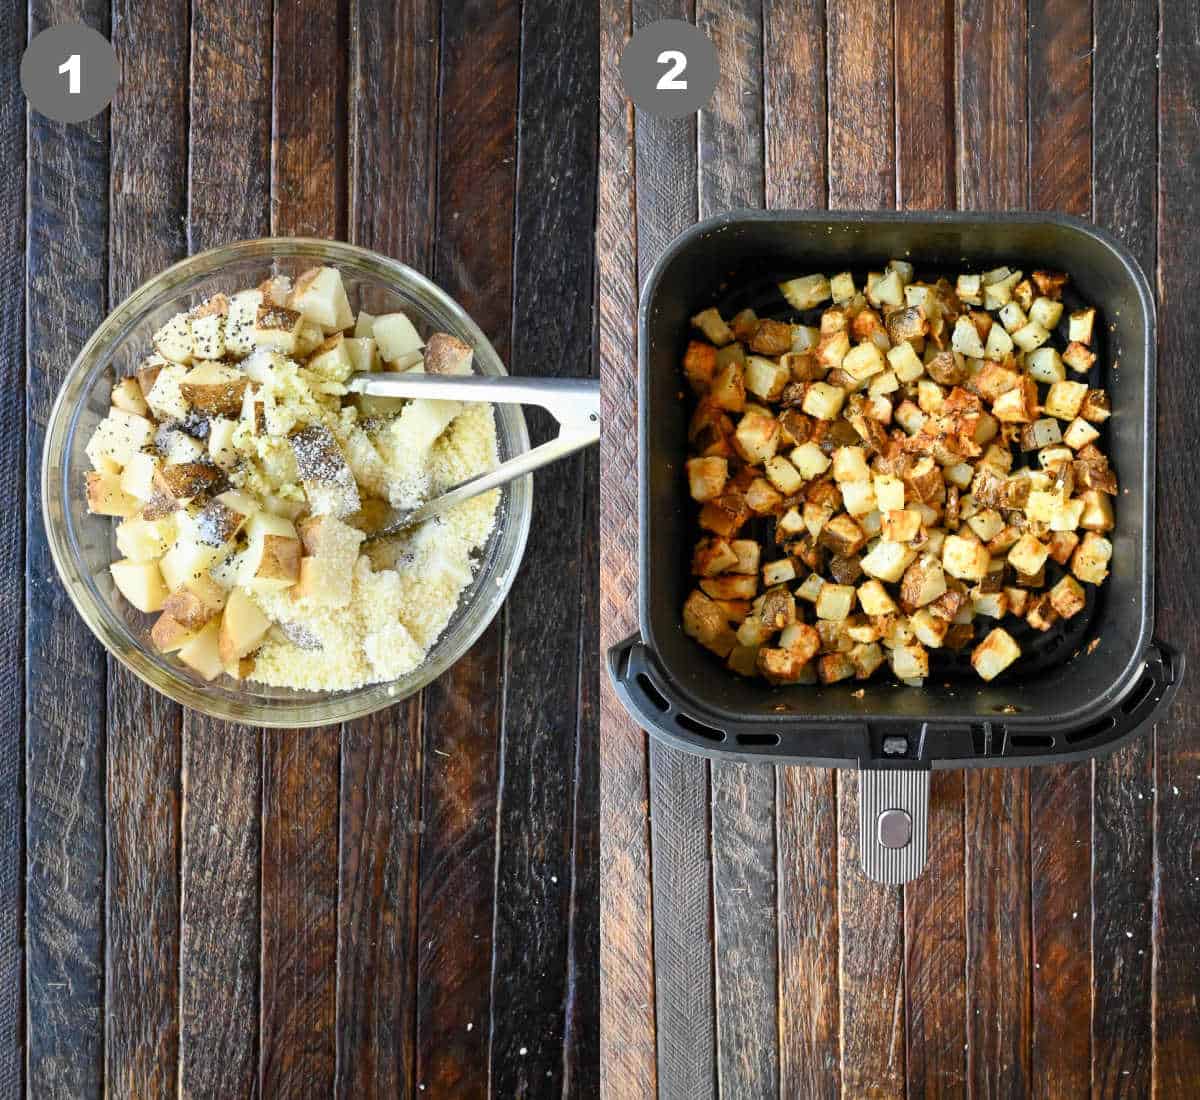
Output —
(555, 201)
(731, 162)
(148, 185)
(229, 199)
(999, 955)
(393, 59)
(991, 116)
(299, 887)
(871, 964)
(1176, 1066)
(810, 1062)
(1060, 818)
(862, 172)
(1124, 187)
(308, 147)
(299, 900)
(924, 95)
(377, 949)
(473, 261)
(12, 551)
(794, 103)
(393, 151)
(628, 1028)
(67, 274)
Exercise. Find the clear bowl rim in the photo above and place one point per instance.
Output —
(334, 707)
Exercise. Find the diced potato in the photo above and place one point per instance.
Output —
(986, 524)
(1046, 312)
(1013, 317)
(1096, 408)
(900, 525)
(143, 540)
(850, 464)
(320, 295)
(806, 292)
(810, 460)
(728, 390)
(841, 287)
(174, 340)
(243, 627)
(999, 344)
(874, 599)
(747, 552)
(887, 561)
(1041, 433)
(1090, 560)
(214, 388)
(714, 556)
(1067, 597)
(887, 290)
(1065, 399)
(363, 353)
(791, 522)
(923, 582)
(823, 401)
(1097, 514)
(835, 601)
(756, 437)
(766, 378)
(905, 362)
(137, 477)
(927, 628)
(1018, 405)
(1080, 326)
(910, 417)
(200, 600)
(277, 327)
(965, 338)
(221, 447)
(969, 289)
(910, 661)
(239, 323)
(843, 536)
(168, 634)
(105, 497)
(833, 667)
(783, 475)
(1079, 434)
(715, 330)
(991, 605)
(965, 558)
(994, 654)
(141, 583)
(201, 652)
(703, 620)
(707, 477)
(1028, 555)
(118, 437)
(863, 361)
(1079, 358)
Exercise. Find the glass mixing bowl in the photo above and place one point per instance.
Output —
(83, 545)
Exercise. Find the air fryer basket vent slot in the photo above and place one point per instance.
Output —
(1098, 727)
(1031, 741)
(699, 728)
(652, 693)
(1139, 695)
(768, 739)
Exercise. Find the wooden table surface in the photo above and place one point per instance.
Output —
(1052, 947)
(404, 905)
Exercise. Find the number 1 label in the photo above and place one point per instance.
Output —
(71, 68)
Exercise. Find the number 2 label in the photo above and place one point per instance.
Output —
(669, 81)
(71, 68)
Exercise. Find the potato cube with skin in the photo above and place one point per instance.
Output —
(747, 552)
(1028, 555)
(766, 378)
(105, 497)
(781, 666)
(271, 560)
(965, 558)
(1080, 326)
(771, 338)
(994, 654)
(243, 627)
(887, 561)
(779, 572)
(214, 388)
(1090, 560)
(200, 600)
(169, 635)
(1067, 597)
(823, 401)
(927, 628)
(756, 437)
(331, 549)
(320, 295)
(1018, 405)
(843, 536)
(806, 292)
(1064, 399)
(707, 477)
(835, 601)
(783, 475)
(277, 327)
(715, 329)
(833, 667)
(923, 582)
(704, 621)
(174, 340)
(141, 583)
(910, 661)
(118, 437)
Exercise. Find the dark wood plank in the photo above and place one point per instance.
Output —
(679, 784)
(473, 261)
(393, 60)
(1176, 1064)
(581, 1039)
(935, 945)
(935, 951)
(229, 198)
(1060, 821)
(64, 666)
(12, 550)
(148, 212)
(993, 173)
(809, 1005)
(743, 796)
(794, 103)
(299, 888)
(871, 917)
(862, 171)
(628, 1029)
(1124, 190)
(552, 299)
(308, 146)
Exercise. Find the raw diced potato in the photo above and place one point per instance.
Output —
(141, 583)
(201, 652)
(174, 340)
(106, 497)
(320, 295)
(994, 654)
(144, 539)
(806, 292)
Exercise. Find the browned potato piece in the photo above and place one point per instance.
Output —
(700, 365)
(730, 586)
(995, 653)
(703, 620)
(713, 556)
(707, 477)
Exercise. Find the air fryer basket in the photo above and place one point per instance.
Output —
(1080, 691)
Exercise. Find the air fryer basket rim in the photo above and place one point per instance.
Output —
(1127, 678)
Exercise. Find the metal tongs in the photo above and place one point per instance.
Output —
(573, 402)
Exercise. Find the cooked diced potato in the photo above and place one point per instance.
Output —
(831, 349)
(1030, 336)
(834, 667)
(1095, 408)
(910, 661)
(1018, 405)
(707, 477)
(1013, 317)
(889, 492)
(704, 621)
(716, 555)
(905, 362)
(1080, 326)
(783, 475)
(887, 561)
(927, 628)
(700, 365)
(756, 437)
(766, 378)
(965, 338)
(995, 653)
(858, 497)
(1079, 358)
(762, 497)
(823, 401)
(806, 292)
(729, 388)
(1097, 513)
(923, 582)
(1028, 555)
(900, 525)
(781, 666)
(715, 329)
(969, 289)
(1045, 365)
(965, 558)
(1064, 399)
(1046, 312)
(841, 287)
(810, 460)
(747, 553)
(779, 572)
(1067, 597)
(987, 523)
(835, 602)
(991, 605)
(1090, 560)
(887, 289)
(863, 361)
(1079, 433)
(1041, 433)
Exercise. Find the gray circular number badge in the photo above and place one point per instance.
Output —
(69, 72)
(669, 69)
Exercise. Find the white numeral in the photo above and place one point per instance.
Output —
(669, 81)
(71, 68)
